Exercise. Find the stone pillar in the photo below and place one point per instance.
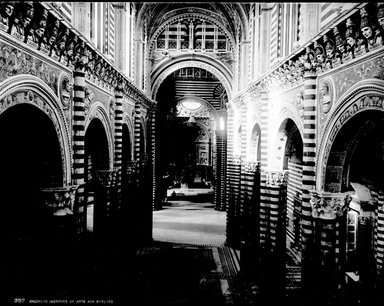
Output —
(137, 131)
(152, 151)
(221, 166)
(105, 180)
(309, 157)
(329, 229)
(79, 147)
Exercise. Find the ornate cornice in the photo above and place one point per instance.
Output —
(63, 44)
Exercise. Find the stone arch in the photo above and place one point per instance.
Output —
(278, 144)
(364, 95)
(191, 60)
(31, 90)
(254, 149)
(97, 110)
(143, 127)
(128, 122)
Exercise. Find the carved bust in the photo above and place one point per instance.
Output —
(6, 11)
(325, 95)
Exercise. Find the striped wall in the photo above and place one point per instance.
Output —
(66, 11)
(329, 11)
(79, 145)
(294, 189)
(111, 30)
(274, 39)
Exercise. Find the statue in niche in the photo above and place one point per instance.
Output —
(6, 11)
(340, 52)
(368, 30)
(325, 97)
(350, 36)
(23, 20)
(329, 52)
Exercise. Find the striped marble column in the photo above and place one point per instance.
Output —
(264, 190)
(79, 147)
(137, 131)
(118, 145)
(152, 149)
(308, 172)
(230, 151)
(380, 236)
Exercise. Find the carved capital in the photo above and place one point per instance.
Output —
(60, 200)
(106, 177)
(328, 206)
(277, 177)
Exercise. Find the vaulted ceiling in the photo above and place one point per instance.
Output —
(232, 15)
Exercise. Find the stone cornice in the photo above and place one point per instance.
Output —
(66, 47)
(290, 71)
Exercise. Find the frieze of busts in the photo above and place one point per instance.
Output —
(80, 56)
(367, 36)
(50, 38)
(380, 19)
(320, 56)
(309, 60)
(36, 32)
(70, 48)
(370, 29)
(341, 50)
(6, 12)
(61, 44)
(351, 39)
(23, 17)
(329, 52)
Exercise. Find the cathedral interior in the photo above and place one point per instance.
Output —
(192, 153)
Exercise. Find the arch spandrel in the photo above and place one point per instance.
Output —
(363, 96)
